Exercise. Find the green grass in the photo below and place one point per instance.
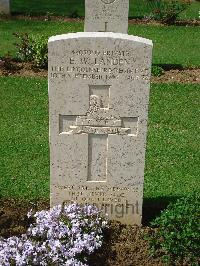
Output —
(177, 45)
(192, 12)
(46, 28)
(173, 150)
(172, 44)
(172, 165)
(138, 8)
(36, 28)
(24, 163)
(54, 7)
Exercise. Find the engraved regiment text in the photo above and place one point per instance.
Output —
(99, 65)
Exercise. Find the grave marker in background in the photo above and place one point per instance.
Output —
(5, 7)
(98, 99)
(106, 15)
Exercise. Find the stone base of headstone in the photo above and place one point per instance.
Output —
(98, 99)
(4, 7)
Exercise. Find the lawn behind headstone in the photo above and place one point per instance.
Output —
(173, 45)
(138, 8)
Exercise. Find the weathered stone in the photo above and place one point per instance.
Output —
(5, 7)
(98, 98)
(106, 15)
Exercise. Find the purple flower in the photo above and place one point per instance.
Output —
(58, 237)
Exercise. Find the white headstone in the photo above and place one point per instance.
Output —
(98, 99)
(5, 7)
(106, 15)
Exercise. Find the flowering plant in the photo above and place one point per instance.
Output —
(64, 235)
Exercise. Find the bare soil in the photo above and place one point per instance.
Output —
(179, 76)
(123, 245)
(13, 68)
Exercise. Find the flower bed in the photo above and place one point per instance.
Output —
(65, 235)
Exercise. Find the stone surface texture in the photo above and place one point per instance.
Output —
(98, 99)
(106, 15)
(5, 7)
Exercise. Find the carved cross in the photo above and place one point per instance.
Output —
(98, 124)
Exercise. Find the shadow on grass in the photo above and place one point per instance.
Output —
(167, 67)
(152, 207)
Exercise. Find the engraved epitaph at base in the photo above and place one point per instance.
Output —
(98, 100)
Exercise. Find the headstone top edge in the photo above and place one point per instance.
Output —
(100, 35)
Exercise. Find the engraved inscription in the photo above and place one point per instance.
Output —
(111, 200)
(100, 65)
(99, 194)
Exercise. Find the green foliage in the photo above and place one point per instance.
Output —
(177, 233)
(24, 46)
(157, 71)
(40, 52)
(192, 12)
(32, 49)
(73, 13)
(167, 10)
